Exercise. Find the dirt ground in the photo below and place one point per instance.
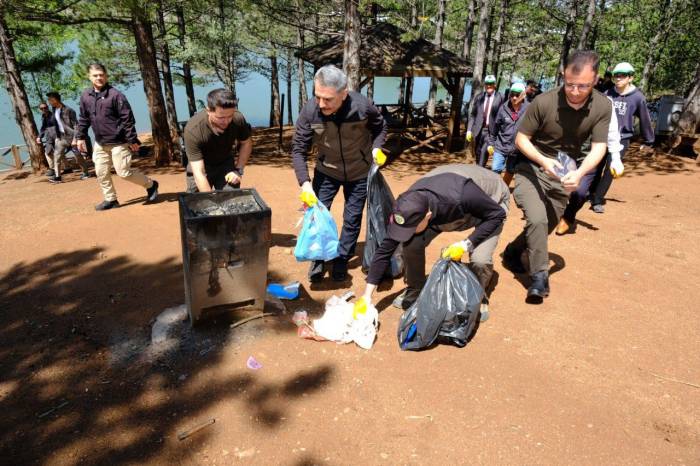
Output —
(606, 371)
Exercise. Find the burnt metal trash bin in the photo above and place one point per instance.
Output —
(225, 244)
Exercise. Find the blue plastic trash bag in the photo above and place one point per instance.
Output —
(318, 238)
(446, 310)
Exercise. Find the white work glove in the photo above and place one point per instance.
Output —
(378, 156)
(455, 251)
(616, 166)
(469, 136)
(308, 196)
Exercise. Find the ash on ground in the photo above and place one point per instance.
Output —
(233, 206)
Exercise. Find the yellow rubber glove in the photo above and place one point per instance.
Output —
(455, 251)
(379, 156)
(308, 198)
(359, 308)
(469, 136)
(490, 150)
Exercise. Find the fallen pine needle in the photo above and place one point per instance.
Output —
(184, 434)
(671, 379)
(53, 409)
(248, 319)
(425, 416)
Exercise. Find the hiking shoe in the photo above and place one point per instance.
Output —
(50, 173)
(84, 176)
(339, 273)
(55, 179)
(598, 208)
(152, 192)
(106, 205)
(512, 261)
(405, 299)
(564, 227)
(316, 271)
(539, 289)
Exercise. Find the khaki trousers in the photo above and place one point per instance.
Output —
(118, 156)
(543, 200)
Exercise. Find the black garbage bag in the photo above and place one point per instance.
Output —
(446, 310)
(380, 203)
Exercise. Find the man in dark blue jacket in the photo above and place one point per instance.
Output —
(109, 113)
(348, 131)
(628, 103)
(502, 132)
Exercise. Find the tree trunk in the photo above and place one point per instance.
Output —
(567, 39)
(469, 30)
(186, 69)
(290, 120)
(370, 89)
(275, 107)
(301, 75)
(596, 27)
(495, 50)
(654, 48)
(145, 48)
(402, 88)
(351, 45)
(587, 25)
(432, 94)
(18, 94)
(167, 75)
(489, 46)
(480, 58)
(689, 121)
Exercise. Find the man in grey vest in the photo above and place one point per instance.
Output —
(348, 132)
(452, 197)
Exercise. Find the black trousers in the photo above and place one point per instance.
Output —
(355, 193)
(603, 178)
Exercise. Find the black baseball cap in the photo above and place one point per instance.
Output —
(409, 209)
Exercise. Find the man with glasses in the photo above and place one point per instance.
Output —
(484, 110)
(628, 102)
(558, 121)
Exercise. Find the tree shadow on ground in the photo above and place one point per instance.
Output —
(524, 278)
(81, 382)
(661, 163)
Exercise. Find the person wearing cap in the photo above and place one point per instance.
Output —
(503, 129)
(558, 121)
(629, 102)
(452, 197)
(483, 111)
(348, 131)
(532, 90)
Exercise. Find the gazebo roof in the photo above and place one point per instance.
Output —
(382, 53)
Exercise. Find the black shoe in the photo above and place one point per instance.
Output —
(539, 289)
(152, 192)
(512, 261)
(106, 205)
(67, 171)
(406, 299)
(50, 173)
(55, 179)
(339, 273)
(316, 271)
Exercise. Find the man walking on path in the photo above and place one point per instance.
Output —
(47, 136)
(348, 131)
(210, 137)
(628, 102)
(109, 113)
(557, 121)
(485, 108)
(66, 122)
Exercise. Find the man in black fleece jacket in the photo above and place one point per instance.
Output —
(453, 197)
(348, 132)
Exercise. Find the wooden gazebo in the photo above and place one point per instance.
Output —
(383, 53)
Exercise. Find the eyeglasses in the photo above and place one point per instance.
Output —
(620, 75)
(580, 87)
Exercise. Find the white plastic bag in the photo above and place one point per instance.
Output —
(340, 325)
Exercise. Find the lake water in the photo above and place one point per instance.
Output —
(254, 95)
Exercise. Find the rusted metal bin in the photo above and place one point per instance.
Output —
(225, 244)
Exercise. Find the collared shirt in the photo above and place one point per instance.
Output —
(487, 107)
(57, 115)
(554, 125)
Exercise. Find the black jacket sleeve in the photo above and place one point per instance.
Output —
(481, 206)
(381, 260)
(377, 126)
(301, 144)
(83, 120)
(127, 120)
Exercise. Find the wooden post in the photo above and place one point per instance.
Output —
(279, 143)
(15, 155)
